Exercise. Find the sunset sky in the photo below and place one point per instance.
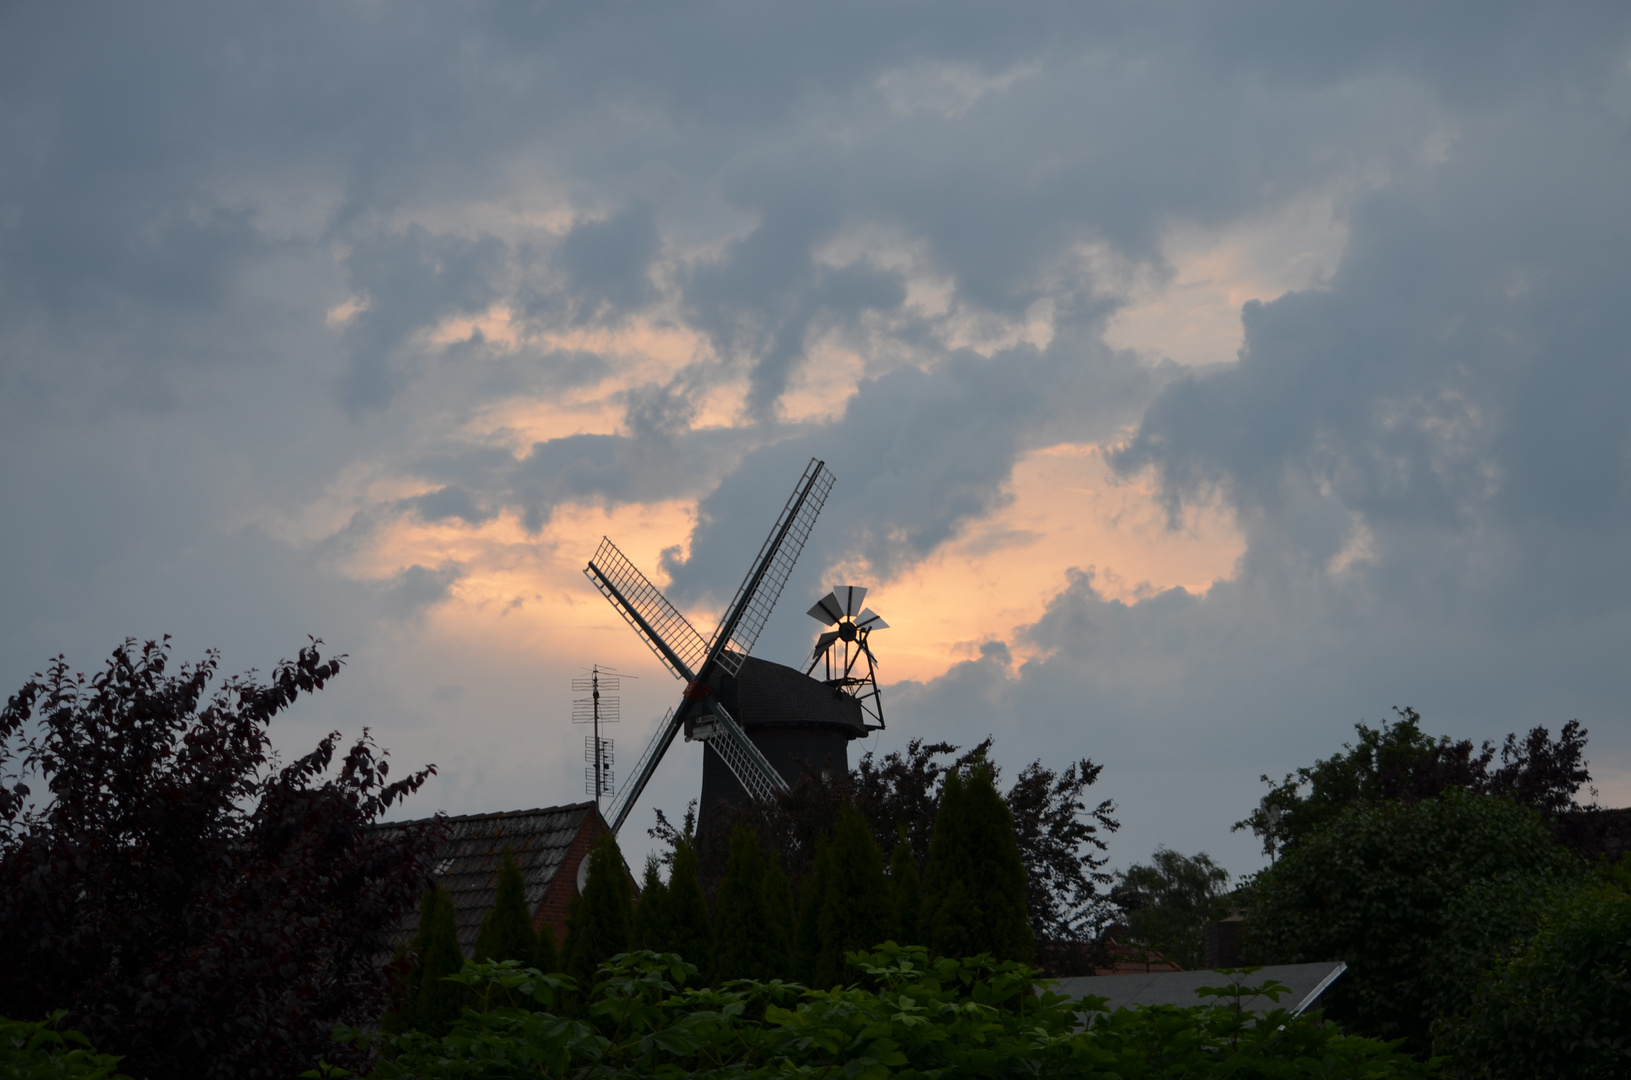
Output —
(1200, 379)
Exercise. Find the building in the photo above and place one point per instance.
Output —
(549, 844)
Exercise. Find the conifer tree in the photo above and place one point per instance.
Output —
(857, 911)
(437, 1003)
(651, 913)
(546, 955)
(779, 899)
(974, 891)
(689, 929)
(506, 931)
(906, 890)
(812, 900)
(749, 943)
(601, 923)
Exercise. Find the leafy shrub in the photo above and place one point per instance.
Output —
(911, 1018)
(1418, 898)
(1562, 1006)
(42, 1050)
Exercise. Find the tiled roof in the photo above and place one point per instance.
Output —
(467, 860)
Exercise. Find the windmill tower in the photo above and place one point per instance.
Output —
(760, 723)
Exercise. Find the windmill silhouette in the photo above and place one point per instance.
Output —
(760, 723)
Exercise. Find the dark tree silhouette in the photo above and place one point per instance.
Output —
(195, 907)
(1398, 761)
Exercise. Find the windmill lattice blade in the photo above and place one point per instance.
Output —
(757, 776)
(757, 595)
(850, 596)
(870, 620)
(826, 610)
(659, 623)
(824, 642)
(653, 755)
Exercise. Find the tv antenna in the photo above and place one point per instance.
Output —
(844, 645)
(600, 707)
(696, 660)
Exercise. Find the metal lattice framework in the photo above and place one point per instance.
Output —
(695, 660)
(659, 623)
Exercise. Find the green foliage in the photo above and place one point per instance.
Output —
(198, 906)
(1417, 897)
(1399, 761)
(44, 1050)
(436, 1002)
(651, 912)
(914, 1018)
(906, 892)
(974, 890)
(1168, 903)
(601, 923)
(812, 901)
(1561, 1007)
(688, 928)
(506, 931)
(857, 911)
(752, 925)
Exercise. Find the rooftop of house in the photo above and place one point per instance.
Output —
(468, 858)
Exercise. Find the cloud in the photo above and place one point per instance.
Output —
(361, 321)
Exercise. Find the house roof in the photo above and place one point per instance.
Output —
(468, 858)
(1306, 982)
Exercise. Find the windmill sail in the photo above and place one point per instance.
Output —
(659, 623)
(661, 739)
(757, 595)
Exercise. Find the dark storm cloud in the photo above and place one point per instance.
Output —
(1427, 452)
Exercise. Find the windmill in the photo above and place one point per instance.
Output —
(759, 722)
(849, 630)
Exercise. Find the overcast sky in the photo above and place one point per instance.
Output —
(1200, 378)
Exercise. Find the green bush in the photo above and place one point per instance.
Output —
(41, 1050)
(1559, 1008)
(911, 1017)
(1418, 898)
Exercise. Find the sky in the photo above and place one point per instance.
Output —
(1200, 380)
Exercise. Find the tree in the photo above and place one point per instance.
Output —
(1559, 1007)
(1060, 837)
(1168, 903)
(436, 1002)
(651, 913)
(506, 931)
(857, 912)
(1060, 844)
(974, 888)
(690, 930)
(906, 891)
(1417, 897)
(813, 892)
(601, 922)
(193, 906)
(751, 932)
(1399, 761)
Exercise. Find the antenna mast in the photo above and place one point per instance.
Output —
(601, 706)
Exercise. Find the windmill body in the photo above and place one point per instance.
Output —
(761, 723)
